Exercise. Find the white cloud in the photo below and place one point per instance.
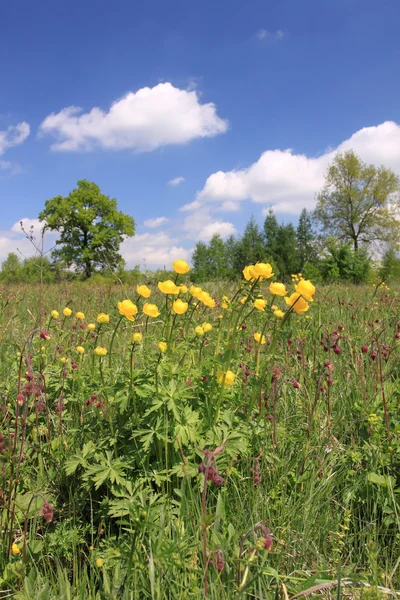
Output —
(155, 222)
(176, 181)
(13, 136)
(287, 181)
(27, 224)
(16, 241)
(153, 250)
(143, 121)
(200, 225)
(272, 36)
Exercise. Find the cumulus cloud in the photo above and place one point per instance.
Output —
(200, 225)
(13, 136)
(27, 224)
(152, 250)
(155, 222)
(176, 181)
(287, 181)
(16, 241)
(142, 121)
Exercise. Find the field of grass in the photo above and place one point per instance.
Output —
(215, 465)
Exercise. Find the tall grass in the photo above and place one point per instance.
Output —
(163, 481)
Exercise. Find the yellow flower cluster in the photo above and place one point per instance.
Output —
(258, 271)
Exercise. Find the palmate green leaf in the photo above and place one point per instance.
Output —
(80, 458)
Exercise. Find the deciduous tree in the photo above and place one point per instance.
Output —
(90, 226)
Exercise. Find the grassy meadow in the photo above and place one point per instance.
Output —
(254, 453)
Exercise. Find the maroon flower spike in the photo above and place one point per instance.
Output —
(47, 512)
(44, 335)
(218, 480)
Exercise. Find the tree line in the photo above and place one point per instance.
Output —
(356, 218)
(357, 215)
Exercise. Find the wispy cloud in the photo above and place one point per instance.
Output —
(155, 222)
(263, 35)
(13, 136)
(176, 181)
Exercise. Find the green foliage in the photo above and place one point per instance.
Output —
(90, 226)
(30, 270)
(341, 263)
(306, 441)
(359, 202)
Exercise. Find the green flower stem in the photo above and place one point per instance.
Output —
(112, 340)
(95, 344)
(131, 380)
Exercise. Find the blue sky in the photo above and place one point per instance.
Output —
(246, 101)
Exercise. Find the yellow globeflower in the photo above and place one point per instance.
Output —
(260, 338)
(180, 266)
(80, 315)
(127, 309)
(162, 346)
(99, 562)
(206, 299)
(179, 307)
(263, 270)
(103, 318)
(15, 549)
(279, 313)
(225, 378)
(277, 289)
(260, 304)
(99, 351)
(137, 337)
(80, 349)
(183, 288)
(55, 314)
(151, 310)
(143, 291)
(199, 330)
(91, 326)
(67, 312)
(306, 289)
(168, 287)
(195, 291)
(248, 273)
(206, 327)
(300, 306)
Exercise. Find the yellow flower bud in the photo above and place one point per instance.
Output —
(206, 327)
(80, 315)
(225, 379)
(259, 338)
(162, 346)
(99, 351)
(91, 326)
(103, 318)
(80, 349)
(137, 337)
(55, 314)
(67, 312)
